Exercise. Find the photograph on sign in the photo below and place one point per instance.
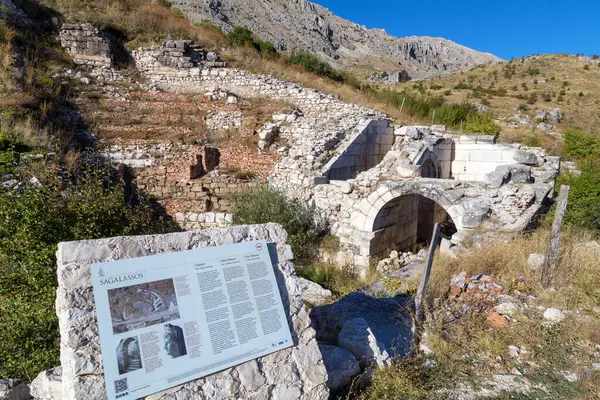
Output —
(170, 318)
(145, 304)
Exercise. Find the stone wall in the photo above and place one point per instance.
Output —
(473, 159)
(313, 139)
(331, 163)
(87, 45)
(295, 373)
(184, 179)
(362, 151)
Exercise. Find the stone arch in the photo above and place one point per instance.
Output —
(368, 220)
(405, 224)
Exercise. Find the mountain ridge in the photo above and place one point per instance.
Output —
(303, 25)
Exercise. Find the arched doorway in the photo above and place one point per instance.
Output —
(405, 224)
(429, 169)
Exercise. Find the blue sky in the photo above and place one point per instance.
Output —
(505, 28)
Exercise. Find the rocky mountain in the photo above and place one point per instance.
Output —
(300, 24)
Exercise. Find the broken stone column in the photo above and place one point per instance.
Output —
(293, 373)
(267, 135)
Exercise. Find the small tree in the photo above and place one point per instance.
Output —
(263, 205)
(241, 36)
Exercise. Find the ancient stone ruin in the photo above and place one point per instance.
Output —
(87, 45)
(378, 186)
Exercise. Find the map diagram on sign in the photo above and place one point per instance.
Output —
(142, 305)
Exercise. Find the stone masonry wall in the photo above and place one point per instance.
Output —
(87, 45)
(313, 138)
(294, 373)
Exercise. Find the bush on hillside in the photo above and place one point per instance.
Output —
(263, 205)
(314, 64)
(241, 36)
(449, 114)
(580, 144)
(583, 211)
(35, 219)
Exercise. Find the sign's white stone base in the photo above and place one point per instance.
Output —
(294, 373)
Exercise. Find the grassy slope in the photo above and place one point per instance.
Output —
(553, 74)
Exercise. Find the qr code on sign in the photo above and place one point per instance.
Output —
(121, 385)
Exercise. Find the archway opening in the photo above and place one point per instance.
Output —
(429, 169)
(406, 224)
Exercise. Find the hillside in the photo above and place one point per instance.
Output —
(527, 86)
(303, 25)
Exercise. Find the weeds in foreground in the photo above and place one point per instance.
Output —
(467, 351)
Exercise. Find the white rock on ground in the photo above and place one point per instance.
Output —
(507, 309)
(14, 389)
(48, 385)
(388, 319)
(358, 339)
(313, 293)
(554, 315)
(536, 261)
(341, 366)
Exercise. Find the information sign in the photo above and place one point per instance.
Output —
(170, 318)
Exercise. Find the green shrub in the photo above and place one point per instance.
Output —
(267, 48)
(241, 36)
(583, 211)
(586, 67)
(584, 207)
(580, 144)
(449, 114)
(262, 205)
(314, 64)
(35, 219)
(481, 123)
(164, 3)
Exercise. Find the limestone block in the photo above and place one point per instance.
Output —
(48, 385)
(525, 157)
(14, 389)
(313, 293)
(358, 339)
(487, 156)
(341, 366)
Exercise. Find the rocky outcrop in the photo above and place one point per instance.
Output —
(300, 24)
(341, 366)
(293, 373)
(313, 293)
(385, 324)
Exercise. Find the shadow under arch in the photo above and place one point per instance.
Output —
(406, 223)
(389, 217)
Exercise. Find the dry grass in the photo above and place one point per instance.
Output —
(467, 350)
(549, 71)
(6, 58)
(578, 271)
